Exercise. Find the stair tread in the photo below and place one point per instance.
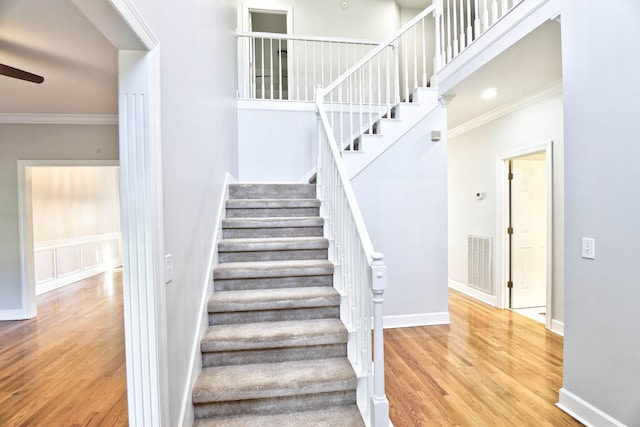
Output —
(334, 416)
(271, 203)
(273, 335)
(278, 298)
(273, 222)
(270, 191)
(259, 269)
(267, 380)
(272, 244)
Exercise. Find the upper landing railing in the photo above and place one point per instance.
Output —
(283, 67)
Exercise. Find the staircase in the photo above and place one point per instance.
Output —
(388, 130)
(275, 353)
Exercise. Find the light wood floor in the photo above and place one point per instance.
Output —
(489, 367)
(66, 367)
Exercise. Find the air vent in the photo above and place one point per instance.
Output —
(480, 263)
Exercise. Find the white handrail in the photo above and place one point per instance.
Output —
(326, 39)
(285, 67)
(389, 41)
(360, 273)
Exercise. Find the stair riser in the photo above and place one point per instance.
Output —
(273, 255)
(272, 191)
(243, 233)
(272, 283)
(277, 405)
(274, 315)
(272, 212)
(242, 357)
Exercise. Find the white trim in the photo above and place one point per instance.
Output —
(142, 237)
(13, 315)
(268, 105)
(59, 119)
(502, 208)
(186, 412)
(473, 293)
(584, 412)
(411, 320)
(51, 285)
(536, 96)
(25, 224)
(134, 21)
(557, 326)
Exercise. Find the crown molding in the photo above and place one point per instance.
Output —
(551, 89)
(58, 119)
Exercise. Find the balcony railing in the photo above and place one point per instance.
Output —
(281, 67)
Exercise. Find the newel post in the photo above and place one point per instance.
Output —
(379, 402)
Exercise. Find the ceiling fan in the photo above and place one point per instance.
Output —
(16, 73)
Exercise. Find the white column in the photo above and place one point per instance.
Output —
(142, 241)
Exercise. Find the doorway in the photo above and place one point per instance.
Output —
(268, 56)
(528, 235)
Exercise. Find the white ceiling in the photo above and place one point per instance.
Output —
(533, 63)
(54, 39)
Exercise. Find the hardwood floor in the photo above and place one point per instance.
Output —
(489, 367)
(66, 367)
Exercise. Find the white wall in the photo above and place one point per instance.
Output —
(199, 125)
(38, 142)
(276, 144)
(74, 202)
(403, 198)
(364, 19)
(601, 66)
(473, 162)
(75, 213)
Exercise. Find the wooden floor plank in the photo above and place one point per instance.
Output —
(489, 367)
(66, 367)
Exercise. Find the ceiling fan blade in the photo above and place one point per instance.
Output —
(20, 74)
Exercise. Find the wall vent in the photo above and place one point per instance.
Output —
(480, 263)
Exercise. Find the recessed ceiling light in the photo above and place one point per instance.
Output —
(489, 93)
(344, 4)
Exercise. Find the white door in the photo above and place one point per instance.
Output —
(529, 239)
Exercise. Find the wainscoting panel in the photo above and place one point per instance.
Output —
(63, 262)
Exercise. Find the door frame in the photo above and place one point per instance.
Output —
(25, 224)
(244, 53)
(502, 222)
(140, 144)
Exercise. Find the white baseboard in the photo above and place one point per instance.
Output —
(13, 315)
(60, 282)
(473, 293)
(186, 411)
(411, 320)
(584, 412)
(557, 327)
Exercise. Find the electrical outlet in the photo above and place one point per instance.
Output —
(588, 248)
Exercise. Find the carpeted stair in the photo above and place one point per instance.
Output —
(275, 351)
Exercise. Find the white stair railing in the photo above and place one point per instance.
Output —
(360, 274)
(281, 67)
(387, 75)
(463, 21)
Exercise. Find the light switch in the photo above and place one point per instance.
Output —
(588, 248)
(168, 268)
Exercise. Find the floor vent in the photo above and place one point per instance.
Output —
(479, 263)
